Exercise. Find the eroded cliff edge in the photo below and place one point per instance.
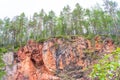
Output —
(58, 58)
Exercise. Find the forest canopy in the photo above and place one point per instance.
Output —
(99, 20)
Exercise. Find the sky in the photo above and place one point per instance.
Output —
(11, 8)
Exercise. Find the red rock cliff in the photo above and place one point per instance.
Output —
(58, 58)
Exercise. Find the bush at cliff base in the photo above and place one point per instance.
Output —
(2, 50)
(108, 68)
(1, 68)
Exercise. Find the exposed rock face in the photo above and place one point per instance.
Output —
(57, 58)
(8, 58)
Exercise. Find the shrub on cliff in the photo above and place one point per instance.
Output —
(2, 50)
(108, 68)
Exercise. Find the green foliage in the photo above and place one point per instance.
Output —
(41, 40)
(62, 36)
(78, 21)
(90, 36)
(1, 67)
(2, 50)
(16, 48)
(108, 68)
